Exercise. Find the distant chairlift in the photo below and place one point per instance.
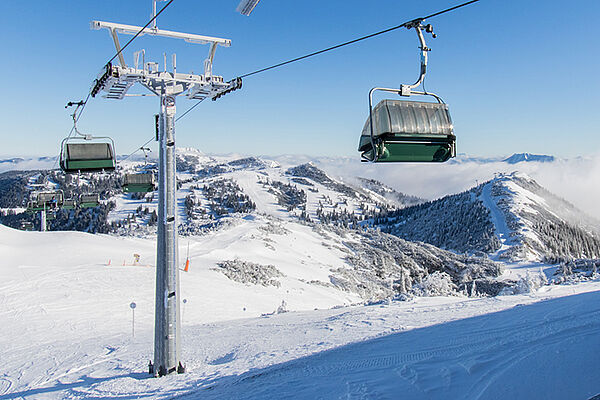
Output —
(89, 200)
(408, 131)
(139, 183)
(27, 225)
(86, 153)
(45, 201)
(68, 204)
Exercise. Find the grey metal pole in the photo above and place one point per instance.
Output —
(167, 318)
(43, 219)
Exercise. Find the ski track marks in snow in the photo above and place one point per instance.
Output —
(297, 355)
(462, 359)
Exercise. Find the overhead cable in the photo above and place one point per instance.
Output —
(281, 64)
(405, 24)
(108, 62)
(140, 31)
(138, 149)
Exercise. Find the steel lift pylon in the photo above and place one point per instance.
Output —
(115, 81)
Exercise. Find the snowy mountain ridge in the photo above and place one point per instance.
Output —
(296, 288)
(541, 225)
(510, 217)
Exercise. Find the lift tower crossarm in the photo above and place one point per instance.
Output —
(188, 37)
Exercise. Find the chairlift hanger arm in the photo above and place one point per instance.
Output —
(77, 105)
(417, 24)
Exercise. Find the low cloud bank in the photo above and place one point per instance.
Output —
(576, 180)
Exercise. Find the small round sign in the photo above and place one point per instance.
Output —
(169, 101)
(132, 305)
(184, 301)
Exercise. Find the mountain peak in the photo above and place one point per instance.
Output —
(528, 157)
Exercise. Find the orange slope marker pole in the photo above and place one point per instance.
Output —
(187, 259)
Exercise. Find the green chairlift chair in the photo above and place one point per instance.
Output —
(408, 131)
(89, 200)
(50, 200)
(84, 152)
(69, 204)
(139, 183)
(87, 155)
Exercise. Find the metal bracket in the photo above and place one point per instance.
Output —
(407, 90)
(209, 60)
(117, 80)
(115, 37)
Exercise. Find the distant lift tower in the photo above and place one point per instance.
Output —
(116, 80)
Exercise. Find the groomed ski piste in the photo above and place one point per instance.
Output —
(66, 327)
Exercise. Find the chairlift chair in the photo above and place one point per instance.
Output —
(40, 201)
(89, 200)
(86, 153)
(27, 225)
(139, 183)
(69, 204)
(33, 206)
(55, 197)
(408, 131)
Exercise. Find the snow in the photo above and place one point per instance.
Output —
(502, 230)
(66, 326)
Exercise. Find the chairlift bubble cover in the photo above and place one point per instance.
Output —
(409, 131)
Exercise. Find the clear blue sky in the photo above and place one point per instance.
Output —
(519, 76)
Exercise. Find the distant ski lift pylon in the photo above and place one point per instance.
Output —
(86, 153)
(408, 131)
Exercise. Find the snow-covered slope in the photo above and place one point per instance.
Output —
(527, 157)
(534, 224)
(66, 325)
(511, 216)
(288, 295)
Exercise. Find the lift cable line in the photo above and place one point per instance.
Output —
(120, 51)
(404, 25)
(142, 147)
(117, 54)
(189, 109)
